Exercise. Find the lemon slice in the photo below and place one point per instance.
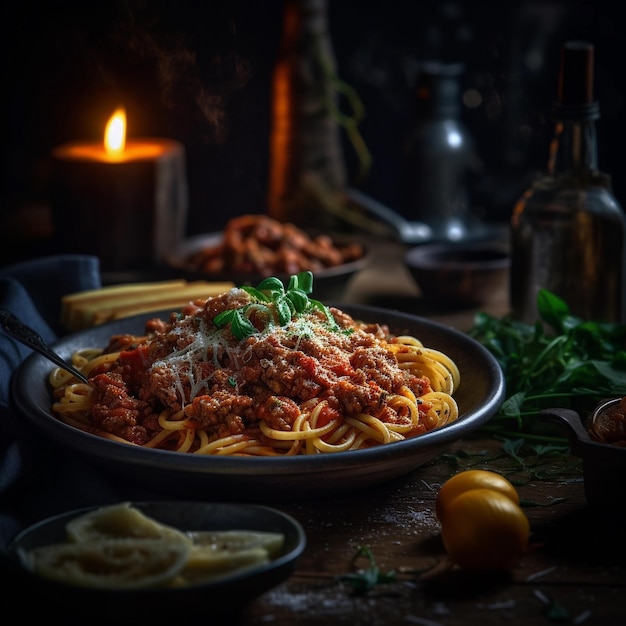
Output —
(205, 565)
(112, 563)
(118, 546)
(238, 540)
(215, 554)
(120, 521)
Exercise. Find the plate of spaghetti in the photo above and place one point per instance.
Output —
(263, 392)
(252, 247)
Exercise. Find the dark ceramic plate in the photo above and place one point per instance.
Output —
(328, 283)
(479, 396)
(227, 594)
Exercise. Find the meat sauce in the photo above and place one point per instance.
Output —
(609, 426)
(226, 385)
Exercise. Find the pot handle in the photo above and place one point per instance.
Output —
(577, 433)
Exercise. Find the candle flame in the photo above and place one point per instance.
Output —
(115, 133)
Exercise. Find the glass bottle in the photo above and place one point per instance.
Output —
(568, 231)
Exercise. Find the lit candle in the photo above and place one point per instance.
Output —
(124, 201)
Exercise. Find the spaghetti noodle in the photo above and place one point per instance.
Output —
(260, 372)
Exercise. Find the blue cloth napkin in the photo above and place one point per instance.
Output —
(38, 479)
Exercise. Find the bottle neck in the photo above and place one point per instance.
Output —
(574, 148)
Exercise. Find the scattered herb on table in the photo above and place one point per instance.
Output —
(367, 578)
(519, 459)
(560, 361)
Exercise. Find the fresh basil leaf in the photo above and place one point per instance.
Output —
(241, 326)
(305, 282)
(256, 293)
(271, 284)
(325, 310)
(299, 299)
(283, 311)
(286, 304)
(224, 317)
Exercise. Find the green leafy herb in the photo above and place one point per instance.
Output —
(367, 578)
(560, 361)
(276, 303)
(240, 325)
(522, 460)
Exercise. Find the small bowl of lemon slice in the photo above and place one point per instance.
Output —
(156, 557)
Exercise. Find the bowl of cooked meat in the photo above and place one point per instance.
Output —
(252, 247)
(600, 441)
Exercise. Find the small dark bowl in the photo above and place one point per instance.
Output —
(604, 464)
(458, 273)
(222, 597)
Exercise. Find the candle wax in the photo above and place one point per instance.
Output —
(135, 150)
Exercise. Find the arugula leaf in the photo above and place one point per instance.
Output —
(560, 361)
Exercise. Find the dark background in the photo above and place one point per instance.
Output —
(200, 72)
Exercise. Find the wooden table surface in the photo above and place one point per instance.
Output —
(574, 573)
